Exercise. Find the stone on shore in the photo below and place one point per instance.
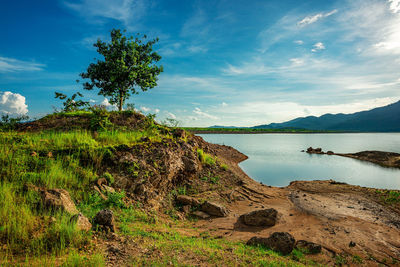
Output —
(266, 217)
(281, 242)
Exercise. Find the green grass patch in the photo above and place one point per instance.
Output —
(206, 158)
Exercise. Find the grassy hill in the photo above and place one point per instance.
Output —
(145, 164)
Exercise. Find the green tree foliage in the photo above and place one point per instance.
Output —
(129, 64)
(70, 103)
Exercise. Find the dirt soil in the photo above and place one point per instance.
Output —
(325, 212)
(386, 159)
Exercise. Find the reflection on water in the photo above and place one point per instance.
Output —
(275, 159)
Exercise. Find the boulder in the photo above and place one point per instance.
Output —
(308, 247)
(81, 222)
(266, 217)
(281, 242)
(191, 164)
(201, 214)
(186, 200)
(105, 220)
(214, 209)
(58, 199)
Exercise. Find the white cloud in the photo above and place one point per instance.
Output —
(394, 6)
(201, 113)
(170, 115)
(126, 11)
(12, 104)
(107, 104)
(224, 104)
(297, 61)
(299, 42)
(314, 18)
(156, 111)
(14, 65)
(318, 46)
(145, 109)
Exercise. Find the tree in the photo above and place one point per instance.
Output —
(70, 104)
(129, 65)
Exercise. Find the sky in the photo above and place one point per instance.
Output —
(226, 62)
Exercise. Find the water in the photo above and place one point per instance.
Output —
(275, 159)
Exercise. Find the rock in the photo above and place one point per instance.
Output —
(140, 189)
(308, 247)
(281, 242)
(81, 222)
(352, 244)
(58, 199)
(311, 150)
(186, 200)
(330, 152)
(105, 219)
(214, 209)
(191, 165)
(266, 217)
(201, 214)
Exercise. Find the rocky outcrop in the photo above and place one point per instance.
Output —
(105, 220)
(186, 200)
(281, 242)
(81, 222)
(311, 150)
(214, 209)
(308, 247)
(266, 217)
(58, 199)
(200, 214)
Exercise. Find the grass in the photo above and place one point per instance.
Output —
(389, 196)
(72, 160)
(205, 158)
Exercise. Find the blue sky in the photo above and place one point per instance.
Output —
(231, 62)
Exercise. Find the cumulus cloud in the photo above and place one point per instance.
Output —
(13, 65)
(12, 104)
(156, 110)
(311, 19)
(318, 46)
(107, 104)
(224, 104)
(394, 6)
(299, 42)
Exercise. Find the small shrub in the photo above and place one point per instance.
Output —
(224, 167)
(100, 119)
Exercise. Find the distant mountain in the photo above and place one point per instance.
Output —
(383, 119)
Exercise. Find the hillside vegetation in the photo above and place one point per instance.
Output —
(144, 165)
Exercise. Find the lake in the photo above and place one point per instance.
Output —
(276, 159)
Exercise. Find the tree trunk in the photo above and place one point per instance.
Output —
(121, 101)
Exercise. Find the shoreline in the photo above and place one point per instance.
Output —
(326, 212)
(282, 132)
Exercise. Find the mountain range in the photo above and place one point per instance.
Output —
(382, 119)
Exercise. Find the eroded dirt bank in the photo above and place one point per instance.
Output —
(348, 221)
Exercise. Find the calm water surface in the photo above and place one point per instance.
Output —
(275, 159)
